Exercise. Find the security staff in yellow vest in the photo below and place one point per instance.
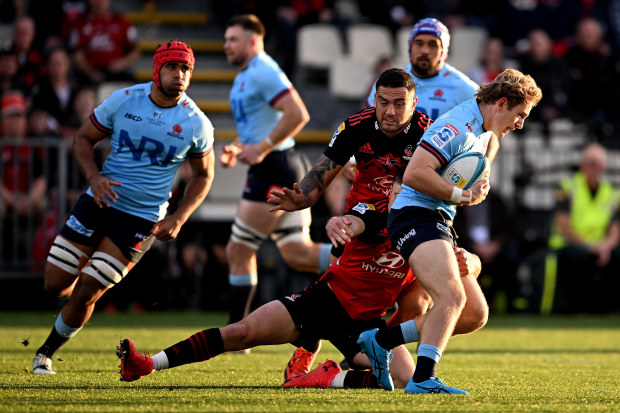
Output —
(585, 236)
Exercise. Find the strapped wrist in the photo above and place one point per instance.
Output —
(457, 195)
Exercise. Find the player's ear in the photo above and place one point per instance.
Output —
(502, 103)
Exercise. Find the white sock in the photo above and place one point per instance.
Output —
(160, 361)
(338, 381)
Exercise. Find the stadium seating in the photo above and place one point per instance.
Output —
(351, 77)
(318, 45)
(466, 42)
(370, 42)
(401, 56)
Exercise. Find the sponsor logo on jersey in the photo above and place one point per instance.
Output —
(366, 148)
(404, 239)
(408, 151)
(362, 208)
(292, 297)
(390, 259)
(406, 130)
(140, 236)
(340, 129)
(376, 125)
(157, 114)
(382, 184)
(443, 228)
(133, 117)
(77, 226)
(176, 131)
(468, 127)
(437, 95)
(444, 135)
(386, 264)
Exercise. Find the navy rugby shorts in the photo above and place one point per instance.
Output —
(88, 225)
(410, 226)
(279, 169)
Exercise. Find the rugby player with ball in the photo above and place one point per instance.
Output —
(420, 221)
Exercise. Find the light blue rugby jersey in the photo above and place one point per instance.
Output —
(148, 143)
(440, 93)
(254, 91)
(452, 134)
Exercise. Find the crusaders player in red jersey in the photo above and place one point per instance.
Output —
(351, 297)
(381, 138)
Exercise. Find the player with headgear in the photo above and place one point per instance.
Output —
(439, 85)
(153, 127)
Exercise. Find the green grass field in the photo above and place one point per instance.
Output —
(514, 364)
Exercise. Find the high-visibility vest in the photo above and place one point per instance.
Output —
(589, 216)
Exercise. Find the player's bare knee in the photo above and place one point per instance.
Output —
(239, 334)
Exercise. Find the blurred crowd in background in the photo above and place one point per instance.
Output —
(58, 52)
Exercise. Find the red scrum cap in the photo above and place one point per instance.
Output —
(175, 51)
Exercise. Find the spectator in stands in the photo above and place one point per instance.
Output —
(8, 73)
(84, 102)
(550, 74)
(23, 186)
(29, 60)
(41, 124)
(586, 235)
(55, 91)
(105, 45)
(491, 63)
(593, 90)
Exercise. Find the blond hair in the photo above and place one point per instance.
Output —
(514, 86)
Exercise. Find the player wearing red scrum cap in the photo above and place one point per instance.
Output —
(152, 127)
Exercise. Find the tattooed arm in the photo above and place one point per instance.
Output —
(305, 194)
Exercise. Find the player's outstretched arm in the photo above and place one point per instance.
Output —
(309, 190)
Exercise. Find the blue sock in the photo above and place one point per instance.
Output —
(432, 352)
(410, 331)
(63, 329)
(324, 255)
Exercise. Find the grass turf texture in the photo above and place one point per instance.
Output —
(514, 364)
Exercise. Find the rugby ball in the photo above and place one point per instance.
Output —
(466, 169)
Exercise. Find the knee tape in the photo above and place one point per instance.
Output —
(293, 227)
(106, 269)
(65, 255)
(244, 234)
